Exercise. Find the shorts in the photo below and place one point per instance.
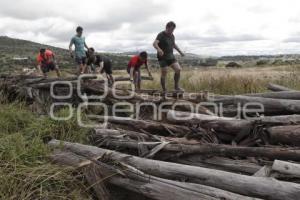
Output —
(167, 62)
(81, 60)
(46, 67)
(107, 68)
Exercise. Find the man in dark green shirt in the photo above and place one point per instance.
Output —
(164, 44)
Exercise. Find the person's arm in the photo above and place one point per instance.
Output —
(147, 67)
(70, 47)
(178, 49)
(101, 66)
(159, 50)
(86, 46)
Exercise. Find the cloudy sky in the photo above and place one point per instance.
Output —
(206, 27)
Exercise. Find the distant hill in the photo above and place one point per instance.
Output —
(14, 51)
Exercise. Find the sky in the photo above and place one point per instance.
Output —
(204, 27)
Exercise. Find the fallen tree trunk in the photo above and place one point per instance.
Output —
(278, 88)
(152, 127)
(286, 168)
(219, 163)
(269, 105)
(102, 134)
(295, 95)
(241, 184)
(278, 120)
(219, 124)
(211, 149)
(227, 100)
(288, 135)
(149, 186)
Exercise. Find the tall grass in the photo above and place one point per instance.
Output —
(25, 171)
(231, 81)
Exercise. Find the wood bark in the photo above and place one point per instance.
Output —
(278, 88)
(212, 149)
(246, 185)
(288, 135)
(286, 167)
(150, 126)
(269, 105)
(149, 186)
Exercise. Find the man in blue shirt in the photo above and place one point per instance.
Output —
(80, 54)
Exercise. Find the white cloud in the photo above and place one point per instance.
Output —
(205, 27)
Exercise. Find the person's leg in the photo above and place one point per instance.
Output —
(57, 72)
(79, 63)
(164, 71)
(39, 69)
(139, 80)
(45, 69)
(108, 70)
(54, 67)
(177, 69)
(84, 66)
(111, 79)
(136, 79)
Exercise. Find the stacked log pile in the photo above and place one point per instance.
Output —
(185, 154)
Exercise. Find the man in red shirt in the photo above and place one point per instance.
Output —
(46, 62)
(134, 68)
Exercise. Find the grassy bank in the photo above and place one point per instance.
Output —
(25, 171)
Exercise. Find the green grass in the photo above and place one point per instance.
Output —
(25, 170)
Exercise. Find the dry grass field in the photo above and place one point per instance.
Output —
(231, 81)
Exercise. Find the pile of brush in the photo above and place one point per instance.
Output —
(249, 149)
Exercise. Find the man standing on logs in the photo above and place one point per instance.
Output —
(80, 54)
(134, 69)
(46, 62)
(164, 44)
(101, 63)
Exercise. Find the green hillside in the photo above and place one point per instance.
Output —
(12, 49)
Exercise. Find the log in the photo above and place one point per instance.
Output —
(72, 160)
(149, 186)
(278, 88)
(259, 187)
(286, 168)
(122, 133)
(295, 95)
(288, 135)
(212, 149)
(219, 163)
(150, 126)
(107, 134)
(219, 124)
(227, 100)
(270, 106)
(278, 120)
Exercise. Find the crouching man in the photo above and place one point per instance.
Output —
(134, 69)
(46, 62)
(100, 64)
